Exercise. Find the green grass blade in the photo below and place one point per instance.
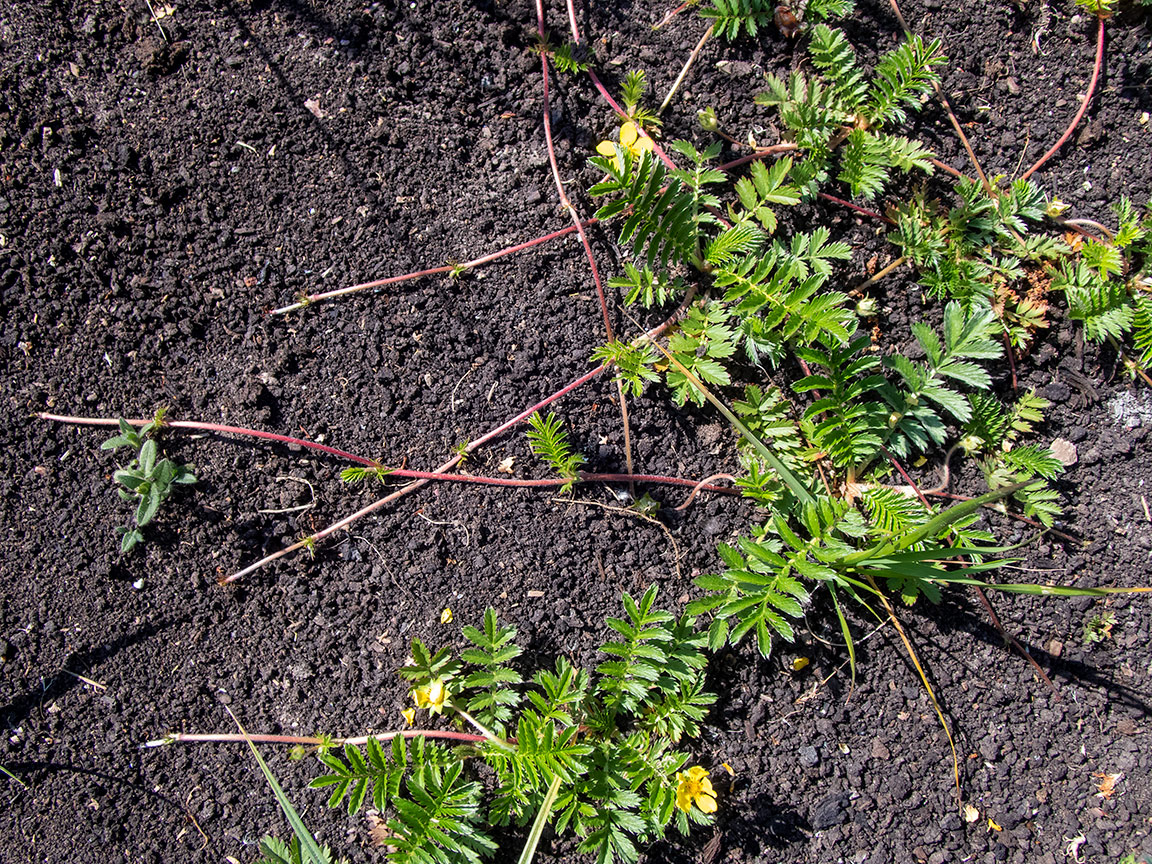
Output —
(793, 482)
(935, 526)
(529, 851)
(308, 843)
(847, 636)
(1032, 588)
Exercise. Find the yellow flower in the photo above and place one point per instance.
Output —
(693, 785)
(409, 715)
(630, 140)
(432, 696)
(446, 616)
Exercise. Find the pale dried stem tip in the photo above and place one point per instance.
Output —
(688, 65)
(696, 489)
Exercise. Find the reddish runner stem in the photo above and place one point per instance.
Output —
(229, 737)
(758, 154)
(1083, 105)
(656, 148)
(451, 463)
(564, 202)
(212, 427)
(433, 271)
(406, 473)
(855, 207)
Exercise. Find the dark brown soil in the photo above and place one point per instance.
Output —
(161, 190)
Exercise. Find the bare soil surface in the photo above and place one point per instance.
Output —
(164, 184)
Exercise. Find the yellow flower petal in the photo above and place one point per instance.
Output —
(693, 786)
(642, 145)
(628, 135)
(606, 148)
(432, 697)
(446, 616)
(409, 715)
(683, 796)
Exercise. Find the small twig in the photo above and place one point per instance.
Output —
(455, 523)
(95, 684)
(684, 71)
(299, 508)
(1011, 360)
(156, 19)
(1083, 105)
(880, 274)
(192, 819)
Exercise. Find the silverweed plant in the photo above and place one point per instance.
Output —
(599, 751)
(822, 467)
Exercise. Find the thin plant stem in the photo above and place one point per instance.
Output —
(1010, 639)
(313, 741)
(671, 15)
(628, 466)
(1011, 359)
(880, 274)
(212, 427)
(948, 108)
(656, 148)
(309, 299)
(948, 169)
(1079, 225)
(564, 202)
(409, 473)
(856, 207)
(704, 484)
(761, 153)
(311, 540)
(583, 237)
(684, 71)
(488, 734)
(1083, 105)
